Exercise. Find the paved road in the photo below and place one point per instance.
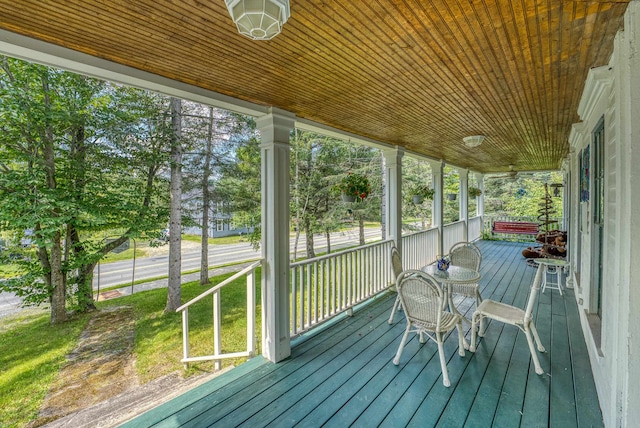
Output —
(9, 304)
(119, 273)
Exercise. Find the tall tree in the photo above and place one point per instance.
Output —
(206, 202)
(240, 180)
(76, 159)
(316, 163)
(208, 138)
(175, 214)
(319, 163)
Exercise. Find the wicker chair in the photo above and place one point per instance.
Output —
(422, 299)
(509, 314)
(466, 254)
(396, 265)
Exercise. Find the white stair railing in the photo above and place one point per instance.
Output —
(217, 356)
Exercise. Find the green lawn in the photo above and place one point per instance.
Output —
(33, 350)
(125, 255)
(9, 270)
(224, 240)
(32, 353)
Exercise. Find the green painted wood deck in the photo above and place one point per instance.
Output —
(343, 375)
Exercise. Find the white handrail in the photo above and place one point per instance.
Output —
(219, 286)
(217, 323)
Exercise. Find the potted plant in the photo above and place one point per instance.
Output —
(443, 263)
(354, 187)
(452, 196)
(474, 192)
(421, 193)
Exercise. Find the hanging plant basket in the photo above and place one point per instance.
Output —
(451, 196)
(354, 187)
(420, 193)
(348, 198)
(474, 192)
(417, 199)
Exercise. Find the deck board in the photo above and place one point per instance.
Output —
(344, 375)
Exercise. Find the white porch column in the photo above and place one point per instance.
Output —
(572, 194)
(464, 200)
(566, 181)
(275, 128)
(393, 206)
(480, 199)
(625, 388)
(437, 170)
(566, 209)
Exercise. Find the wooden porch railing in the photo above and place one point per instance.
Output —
(475, 229)
(249, 271)
(452, 234)
(323, 287)
(419, 248)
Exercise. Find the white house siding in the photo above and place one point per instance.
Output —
(613, 93)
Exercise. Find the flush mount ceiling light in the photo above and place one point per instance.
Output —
(259, 19)
(473, 140)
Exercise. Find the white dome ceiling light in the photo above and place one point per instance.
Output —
(473, 140)
(259, 19)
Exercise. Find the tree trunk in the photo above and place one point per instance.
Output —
(206, 203)
(58, 298)
(361, 226)
(311, 253)
(175, 220)
(84, 279)
(295, 244)
(58, 283)
(328, 236)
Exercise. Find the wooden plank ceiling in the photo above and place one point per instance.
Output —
(421, 74)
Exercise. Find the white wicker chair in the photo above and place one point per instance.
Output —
(509, 314)
(467, 255)
(422, 300)
(396, 265)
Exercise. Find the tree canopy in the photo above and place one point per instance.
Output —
(78, 156)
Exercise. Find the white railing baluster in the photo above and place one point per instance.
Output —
(316, 301)
(316, 284)
(217, 327)
(185, 336)
(251, 314)
(294, 300)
